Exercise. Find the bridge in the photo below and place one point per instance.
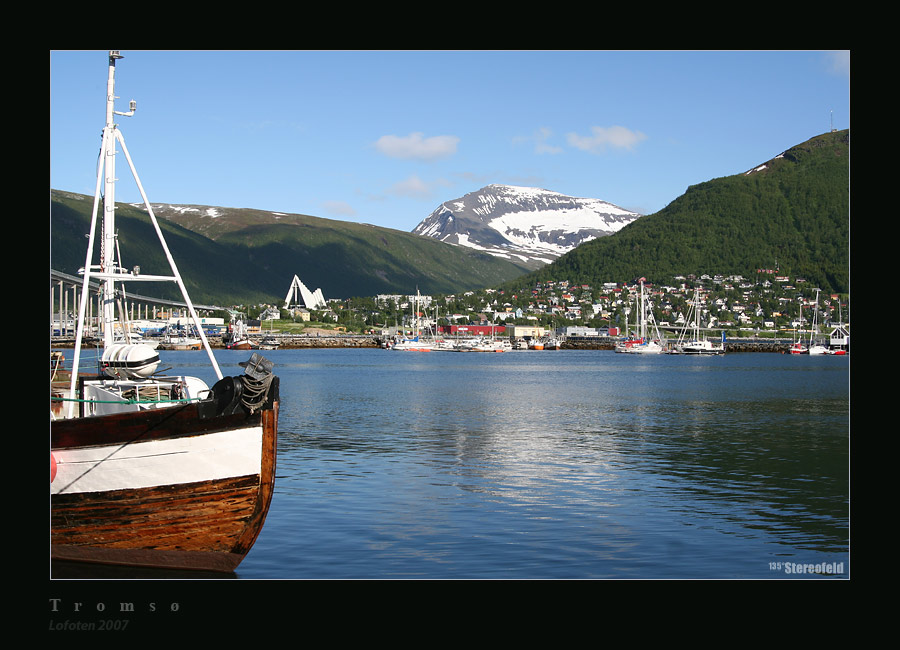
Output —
(65, 290)
(63, 279)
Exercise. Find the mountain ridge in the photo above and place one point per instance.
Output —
(532, 226)
(245, 255)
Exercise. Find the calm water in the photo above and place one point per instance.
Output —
(553, 464)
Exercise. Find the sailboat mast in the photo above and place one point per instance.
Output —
(107, 241)
(643, 314)
(697, 314)
(814, 330)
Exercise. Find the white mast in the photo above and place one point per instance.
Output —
(109, 270)
(108, 242)
(814, 331)
(643, 314)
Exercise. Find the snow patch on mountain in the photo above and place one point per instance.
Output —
(205, 211)
(525, 224)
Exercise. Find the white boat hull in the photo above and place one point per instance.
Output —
(209, 457)
(702, 348)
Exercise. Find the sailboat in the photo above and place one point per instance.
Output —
(694, 344)
(816, 347)
(797, 346)
(641, 344)
(146, 469)
(417, 343)
(813, 347)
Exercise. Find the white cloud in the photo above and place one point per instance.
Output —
(417, 146)
(601, 138)
(540, 138)
(415, 187)
(840, 62)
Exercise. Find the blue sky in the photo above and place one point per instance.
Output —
(384, 137)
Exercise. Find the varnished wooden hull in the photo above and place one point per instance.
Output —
(181, 487)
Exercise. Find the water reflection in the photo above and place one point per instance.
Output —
(554, 464)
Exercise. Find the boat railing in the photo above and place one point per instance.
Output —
(106, 396)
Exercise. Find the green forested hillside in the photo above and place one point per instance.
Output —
(255, 262)
(794, 214)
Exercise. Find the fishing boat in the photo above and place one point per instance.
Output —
(239, 338)
(146, 469)
(690, 342)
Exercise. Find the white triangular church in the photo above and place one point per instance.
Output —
(299, 296)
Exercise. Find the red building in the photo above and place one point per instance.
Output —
(472, 330)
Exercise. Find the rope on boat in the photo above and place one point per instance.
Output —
(255, 390)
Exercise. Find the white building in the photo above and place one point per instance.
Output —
(299, 296)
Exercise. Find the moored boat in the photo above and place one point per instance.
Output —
(490, 345)
(269, 343)
(239, 338)
(150, 470)
(412, 345)
(641, 343)
(690, 342)
(640, 346)
(815, 347)
(180, 343)
(416, 342)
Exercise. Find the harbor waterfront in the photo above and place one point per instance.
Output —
(572, 464)
(302, 341)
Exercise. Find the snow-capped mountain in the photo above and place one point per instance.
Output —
(526, 225)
